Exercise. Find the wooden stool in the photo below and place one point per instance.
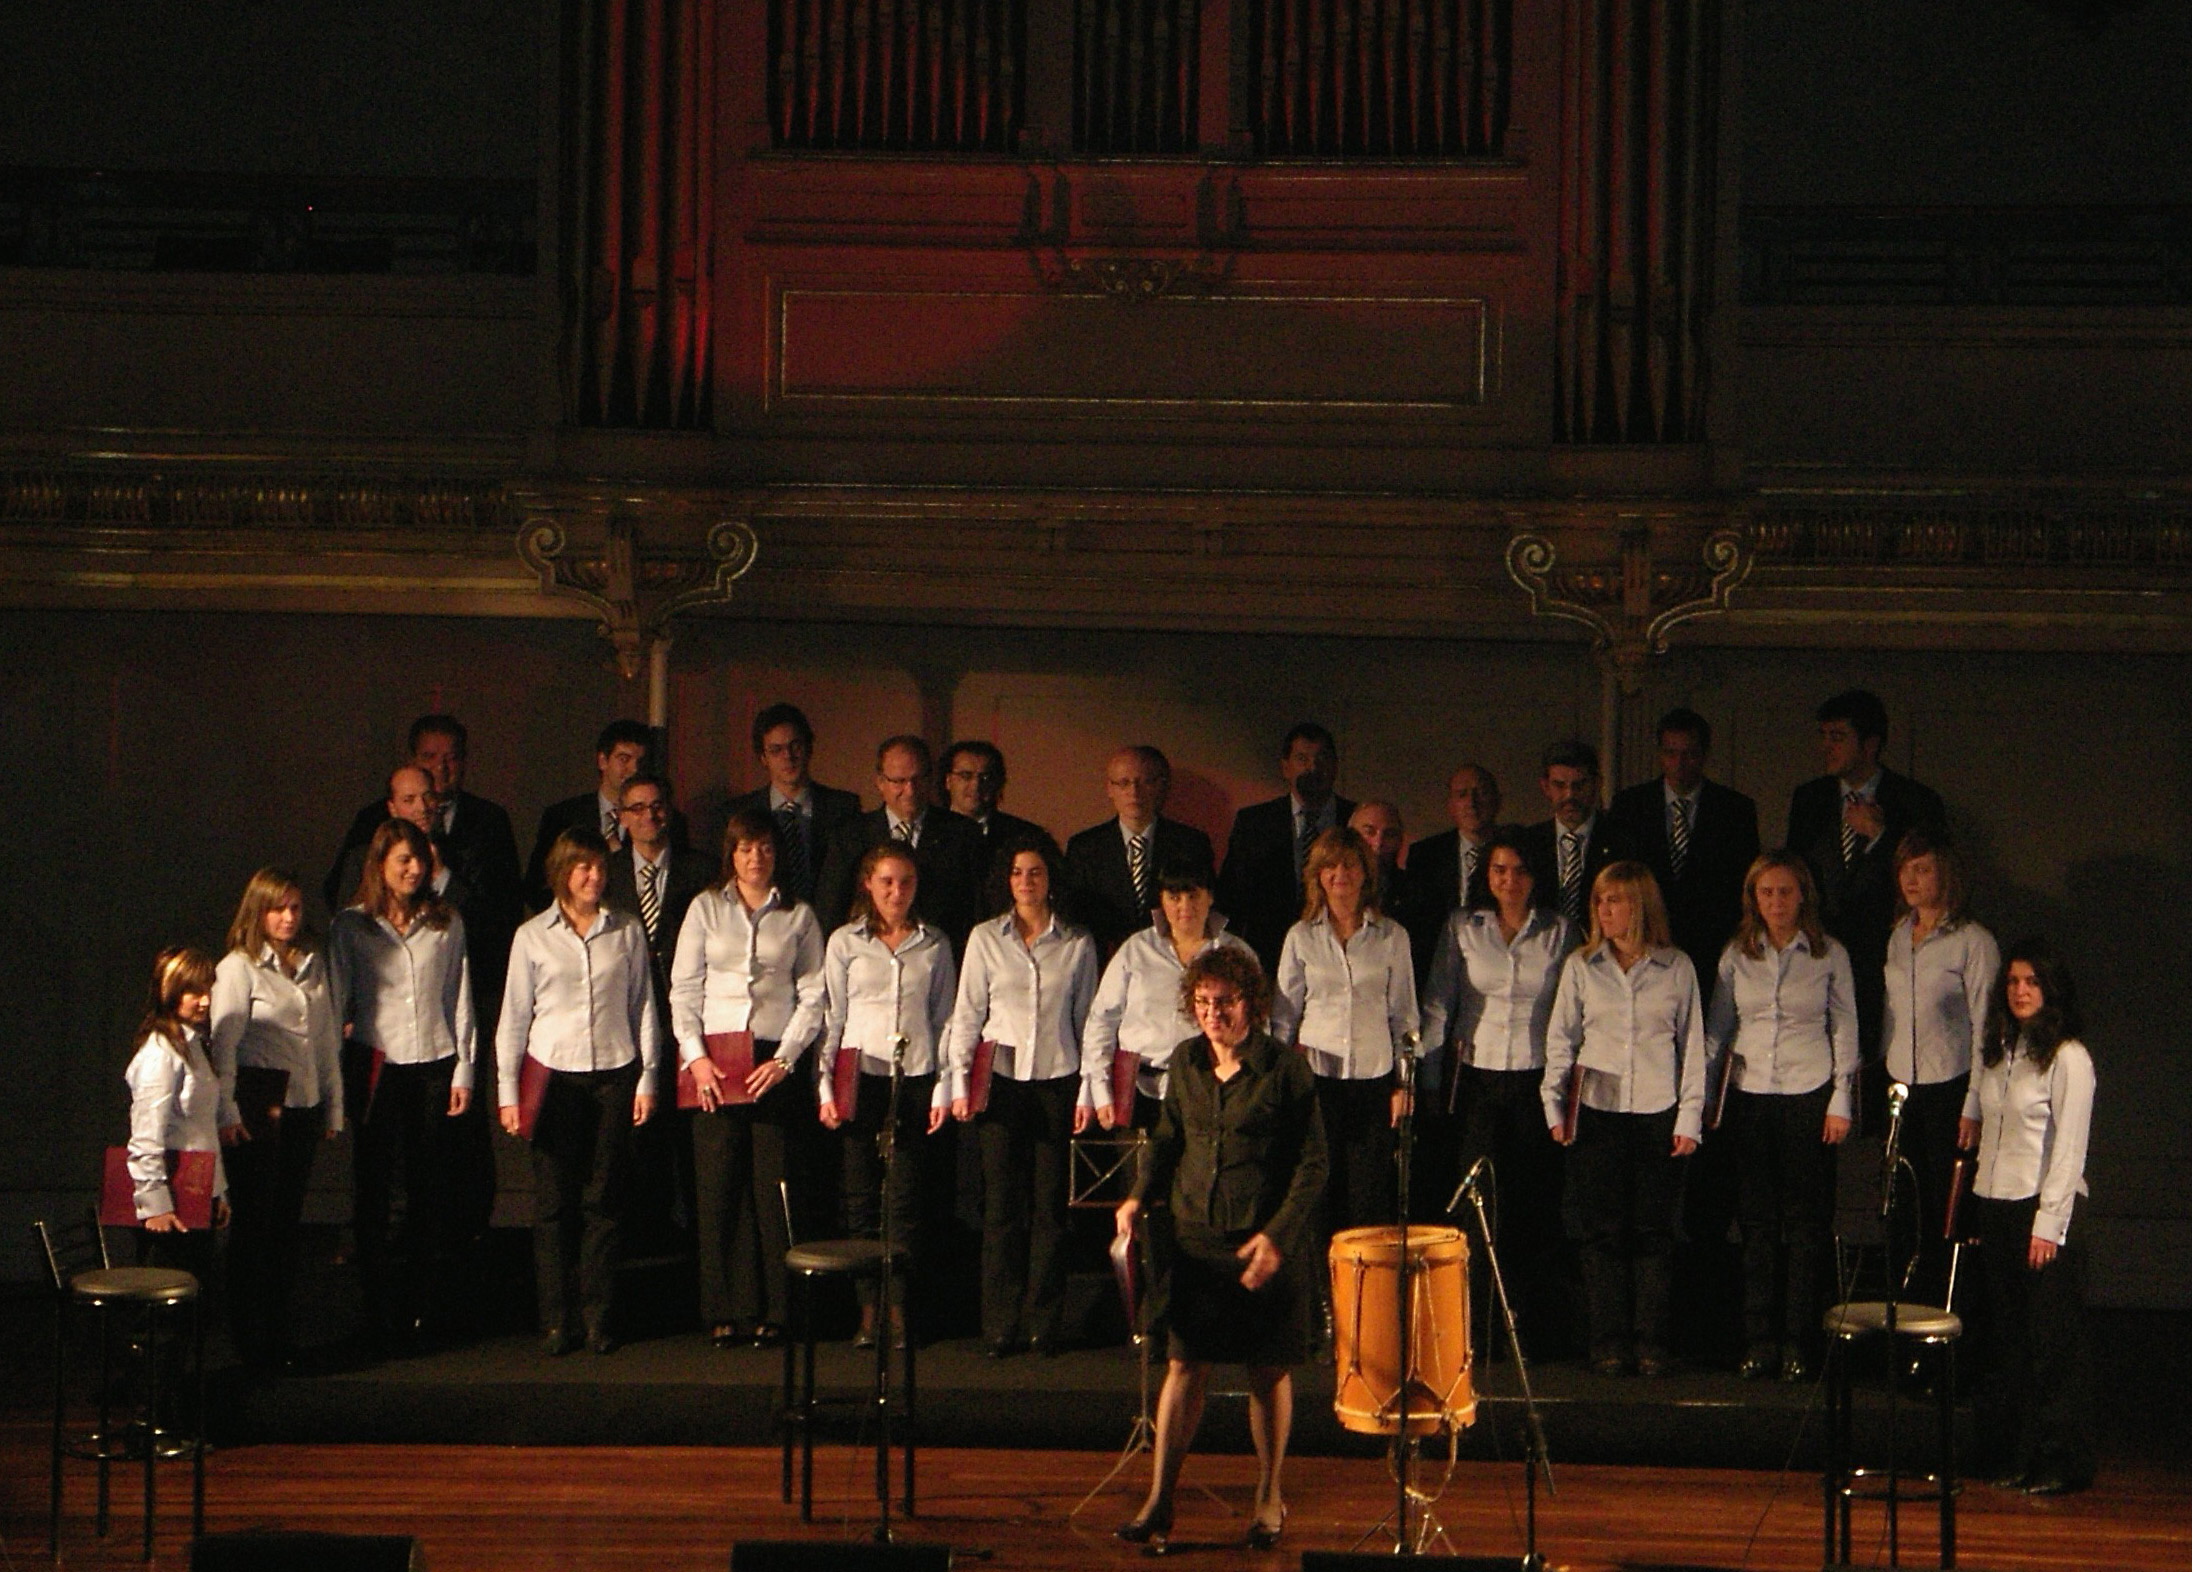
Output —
(807, 1265)
(1931, 1328)
(84, 1278)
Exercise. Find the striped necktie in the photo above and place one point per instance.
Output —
(1137, 869)
(650, 899)
(791, 834)
(1678, 837)
(1571, 877)
(1850, 800)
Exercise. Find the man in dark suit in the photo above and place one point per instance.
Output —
(1697, 836)
(410, 796)
(971, 782)
(620, 752)
(1379, 824)
(1846, 825)
(656, 882)
(1114, 866)
(1261, 885)
(809, 816)
(1446, 868)
(947, 849)
(1568, 850)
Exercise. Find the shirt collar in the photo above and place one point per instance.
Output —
(1148, 832)
(603, 917)
(639, 862)
(804, 802)
(891, 821)
(1869, 792)
(1674, 796)
(1582, 832)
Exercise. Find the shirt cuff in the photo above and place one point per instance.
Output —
(155, 1202)
(2053, 1226)
(461, 1077)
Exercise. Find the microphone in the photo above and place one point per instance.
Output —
(900, 1042)
(1898, 1094)
(1469, 1182)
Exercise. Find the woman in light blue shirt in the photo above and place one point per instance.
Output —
(1629, 1032)
(1783, 1035)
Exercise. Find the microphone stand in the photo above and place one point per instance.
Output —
(1534, 1454)
(1891, 1162)
(886, 1145)
(1404, 1154)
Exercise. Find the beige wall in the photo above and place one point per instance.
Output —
(161, 758)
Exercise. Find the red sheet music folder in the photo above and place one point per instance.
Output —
(979, 1075)
(532, 1088)
(845, 1082)
(1125, 1066)
(189, 1186)
(732, 1054)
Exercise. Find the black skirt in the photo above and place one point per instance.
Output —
(1210, 1317)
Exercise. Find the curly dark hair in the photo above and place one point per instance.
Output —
(1235, 968)
(2058, 1021)
(998, 892)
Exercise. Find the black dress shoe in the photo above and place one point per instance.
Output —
(601, 1341)
(1653, 1366)
(1152, 1527)
(1001, 1347)
(1044, 1347)
(1609, 1365)
(1756, 1366)
(2013, 1480)
(1265, 1528)
(2053, 1484)
(1794, 1371)
(768, 1335)
(558, 1341)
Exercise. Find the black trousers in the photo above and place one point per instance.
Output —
(1786, 1191)
(581, 1147)
(404, 1127)
(864, 1199)
(2037, 1397)
(267, 1179)
(1929, 1142)
(1623, 1184)
(738, 1167)
(1502, 1116)
(1026, 1138)
(1358, 1133)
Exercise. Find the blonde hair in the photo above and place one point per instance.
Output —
(572, 848)
(1750, 934)
(1326, 851)
(1643, 889)
(267, 889)
(175, 972)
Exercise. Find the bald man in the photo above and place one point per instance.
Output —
(1114, 866)
(1444, 869)
(1378, 823)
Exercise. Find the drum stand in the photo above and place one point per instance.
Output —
(1534, 1455)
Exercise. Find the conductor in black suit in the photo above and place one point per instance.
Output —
(1445, 869)
(1697, 836)
(947, 849)
(1567, 851)
(1261, 886)
(1113, 867)
(809, 816)
(1846, 825)
(620, 752)
(971, 783)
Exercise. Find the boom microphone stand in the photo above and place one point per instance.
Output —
(1534, 1455)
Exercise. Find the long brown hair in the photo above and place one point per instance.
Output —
(266, 890)
(748, 827)
(373, 891)
(2058, 1020)
(1947, 861)
(863, 909)
(175, 972)
(1651, 906)
(1324, 852)
(1750, 934)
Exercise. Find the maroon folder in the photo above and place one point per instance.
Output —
(1572, 1105)
(979, 1075)
(1126, 1273)
(533, 1077)
(1728, 1078)
(189, 1186)
(732, 1054)
(845, 1082)
(1126, 1066)
(373, 1067)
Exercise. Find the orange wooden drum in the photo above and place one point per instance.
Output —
(1365, 1265)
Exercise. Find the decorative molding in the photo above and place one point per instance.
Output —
(637, 592)
(1632, 602)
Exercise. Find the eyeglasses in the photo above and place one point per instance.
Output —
(654, 808)
(900, 780)
(1222, 1005)
(972, 775)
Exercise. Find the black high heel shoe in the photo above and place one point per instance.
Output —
(1263, 1531)
(1153, 1527)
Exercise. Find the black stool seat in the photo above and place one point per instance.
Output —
(1929, 1326)
(1862, 1317)
(133, 1285)
(841, 1256)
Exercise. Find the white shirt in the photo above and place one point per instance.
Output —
(875, 993)
(740, 971)
(911, 827)
(265, 1018)
(1032, 999)
(1137, 1009)
(577, 1002)
(407, 994)
(2033, 1126)
(1640, 1035)
(1950, 977)
(1496, 996)
(1791, 1018)
(1348, 1005)
(174, 1106)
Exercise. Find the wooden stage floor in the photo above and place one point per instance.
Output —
(513, 1509)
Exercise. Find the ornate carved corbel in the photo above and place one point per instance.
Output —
(636, 587)
(1630, 603)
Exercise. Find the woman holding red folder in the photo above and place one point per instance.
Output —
(277, 1049)
(1026, 988)
(746, 985)
(174, 1105)
(888, 975)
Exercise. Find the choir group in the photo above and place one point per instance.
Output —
(1596, 1002)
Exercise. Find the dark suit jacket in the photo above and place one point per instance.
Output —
(1609, 842)
(582, 812)
(1258, 889)
(1857, 902)
(1705, 905)
(835, 812)
(951, 857)
(690, 873)
(1434, 881)
(1103, 886)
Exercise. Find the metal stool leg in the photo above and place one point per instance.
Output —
(797, 1313)
(198, 1420)
(1948, 1454)
(60, 1413)
(99, 1441)
(152, 1416)
(806, 1418)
